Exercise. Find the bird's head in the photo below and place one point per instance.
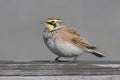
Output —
(53, 24)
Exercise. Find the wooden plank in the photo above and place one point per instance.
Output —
(51, 68)
(106, 77)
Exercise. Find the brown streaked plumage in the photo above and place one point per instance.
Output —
(74, 38)
(66, 42)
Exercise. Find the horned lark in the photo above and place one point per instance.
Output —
(64, 41)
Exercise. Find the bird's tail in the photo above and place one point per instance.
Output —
(96, 53)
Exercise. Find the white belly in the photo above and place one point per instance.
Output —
(63, 49)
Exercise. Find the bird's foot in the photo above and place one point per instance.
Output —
(73, 61)
(59, 61)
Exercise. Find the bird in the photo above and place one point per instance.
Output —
(64, 41)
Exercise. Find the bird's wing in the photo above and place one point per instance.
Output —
(77, 39)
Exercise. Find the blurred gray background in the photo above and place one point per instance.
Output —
(21, 32)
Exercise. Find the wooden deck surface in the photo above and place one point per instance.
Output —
(51, 68)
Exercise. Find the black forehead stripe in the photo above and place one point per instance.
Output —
(58, 19)
(51, 23)
(53, 18)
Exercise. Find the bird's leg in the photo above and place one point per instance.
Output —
(75, 59)
(57, 59)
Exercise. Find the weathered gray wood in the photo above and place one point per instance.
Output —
(106, 77)
(49, 68)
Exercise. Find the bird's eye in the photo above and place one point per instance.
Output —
(52, 22)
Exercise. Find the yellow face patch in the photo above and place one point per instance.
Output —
(51, 24)
(49, 27)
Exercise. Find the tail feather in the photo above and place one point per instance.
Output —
(96, 53)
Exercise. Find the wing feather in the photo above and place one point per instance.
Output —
(78, 39)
